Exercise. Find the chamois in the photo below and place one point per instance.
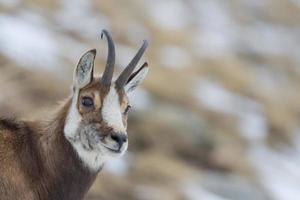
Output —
(59, 159)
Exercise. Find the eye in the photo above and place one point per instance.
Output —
(127, 109)
(87, 101)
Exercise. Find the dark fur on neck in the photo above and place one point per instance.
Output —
(38, 163)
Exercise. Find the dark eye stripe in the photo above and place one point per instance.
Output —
(87, 101)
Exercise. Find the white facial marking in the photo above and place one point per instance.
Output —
(73, 118)
(111, 111)
(93, 159)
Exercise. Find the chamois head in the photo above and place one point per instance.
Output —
(97, 119)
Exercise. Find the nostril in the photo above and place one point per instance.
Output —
(115, 137)
(119, 138)
(124, 138)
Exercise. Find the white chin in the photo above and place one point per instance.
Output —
(108, 152)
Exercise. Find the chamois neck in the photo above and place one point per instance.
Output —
(64, 175)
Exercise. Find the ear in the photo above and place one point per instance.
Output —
(136, 78)
(83, 74)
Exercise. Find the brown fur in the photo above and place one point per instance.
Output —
(38, 163)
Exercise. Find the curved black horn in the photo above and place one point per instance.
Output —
(110, 63)
(121, 81)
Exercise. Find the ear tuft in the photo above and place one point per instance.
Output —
(136, 78)
(84, 71)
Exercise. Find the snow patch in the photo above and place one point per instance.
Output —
(216, 28)
(193, 191)
(270, 39)
(79, 16)
(10, 3)
(141, 99)
(297, 2)
(278, 171)
(124, 54)
(168, 14)
(149, 192)
(173, 56)
(119, 166)
(28, 43)
(250, 114)
(137, 32)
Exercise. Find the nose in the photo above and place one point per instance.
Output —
(119, 138)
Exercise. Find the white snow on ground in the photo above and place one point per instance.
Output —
(297, 2)
(278, 171)
(137, 32)
(218, 33)
(28, 43)
(249, 113)
(141, 99)
(215, 38)
(124, 54)
(78, 16)
(256, 3)
(168, 14)
(194, 191)
(149, 192)
(173, 56)
(214, 96)
(266, 38)
(9, 3)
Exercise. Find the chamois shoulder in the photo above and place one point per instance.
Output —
(13, 129)
(16, 137)
(10, 124)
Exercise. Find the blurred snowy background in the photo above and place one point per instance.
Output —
(218, 117)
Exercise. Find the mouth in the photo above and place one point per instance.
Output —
(118, 151)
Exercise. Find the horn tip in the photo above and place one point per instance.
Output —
(145, 65)
(146, 43)
(104, 31)
(93, 51)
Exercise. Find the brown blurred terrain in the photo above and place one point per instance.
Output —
(218, 115)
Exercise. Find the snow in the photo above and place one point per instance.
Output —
(215, 38)
(124, 54)
(278, 171)
(266, 38)
(249, 113)
(119, 166)
(194, 191)
(141, 99)
(149, 192)
(28, 43)
(219, 33)
(78, 16)
(256, 4)
(296, 2)
(10, 3)
(253, 125)
(173, 56)
(214, 96)
(168, 14)
(137, 32)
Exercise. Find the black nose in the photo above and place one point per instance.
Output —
(119, 138)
